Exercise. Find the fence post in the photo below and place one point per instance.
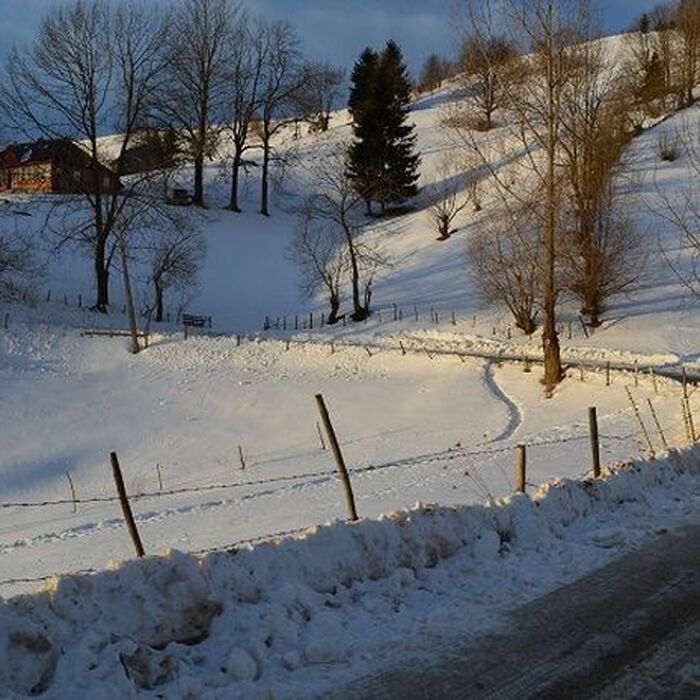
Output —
(160, 477)
(124, 502)
(320, 436)
(607, 373)
(664, 442)
(645, 433)
(241, 457)
(338, 455)
(520, 468)
(595, 442)
(72, 492)
(6, 324)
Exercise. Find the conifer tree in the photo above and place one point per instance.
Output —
(382, 164)
(364, 160)
(399, 173)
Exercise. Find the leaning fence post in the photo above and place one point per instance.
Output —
(664, 442)
(124, 502)
(320, 436)
(72, 492)
(595, 442)
(338, 455)
(520, 468)
(645, 433)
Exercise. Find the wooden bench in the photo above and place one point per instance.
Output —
(192, 321)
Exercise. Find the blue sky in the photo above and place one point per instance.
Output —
(337, 30)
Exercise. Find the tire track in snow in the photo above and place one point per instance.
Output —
(513, 413)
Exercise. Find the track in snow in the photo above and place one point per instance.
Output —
(513, 412)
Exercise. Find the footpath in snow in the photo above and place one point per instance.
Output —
(294, 618)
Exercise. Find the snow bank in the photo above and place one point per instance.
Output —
(243, 624)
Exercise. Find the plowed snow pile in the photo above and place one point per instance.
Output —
(281, 620)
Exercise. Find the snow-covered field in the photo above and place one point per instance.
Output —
(435, 423)
(306, 615)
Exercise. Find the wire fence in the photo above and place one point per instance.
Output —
(468, 461)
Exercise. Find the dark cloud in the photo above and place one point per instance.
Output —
(336, 30)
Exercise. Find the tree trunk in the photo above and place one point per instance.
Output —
(128, 296)
(335, 308)
(359, 311)
(264, 195)
(159, 302)
(235, 170)
(101, 277)
(198, 196)
(550, 341)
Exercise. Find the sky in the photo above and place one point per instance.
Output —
(338, 30)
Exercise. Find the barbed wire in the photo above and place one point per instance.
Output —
(447, 455)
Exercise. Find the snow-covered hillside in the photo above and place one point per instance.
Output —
(219, 440)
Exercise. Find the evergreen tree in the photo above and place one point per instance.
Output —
(644, 24)
(364, 161)
(399, 173)
(382, 163)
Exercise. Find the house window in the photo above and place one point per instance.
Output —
(33, 172)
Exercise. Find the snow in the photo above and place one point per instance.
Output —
(425, 412)
(288, 619)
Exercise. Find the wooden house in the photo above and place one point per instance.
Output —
(53, 167)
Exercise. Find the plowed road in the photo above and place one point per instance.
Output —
(628, 631)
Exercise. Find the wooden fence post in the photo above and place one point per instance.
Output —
(607, 373)
(160, 477)
(658, 424)
(241, 457)
(320, 436)
(338, 455)
(645, 433)
(595, 442)
(520, 468)
(124, 502)
(6, 324)
(72, 492)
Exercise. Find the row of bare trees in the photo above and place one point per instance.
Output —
(199, 75)
(554, 170)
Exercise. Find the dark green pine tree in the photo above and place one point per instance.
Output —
(399, 174)
(364, 159)
(382, 162)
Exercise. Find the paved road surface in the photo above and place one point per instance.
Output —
(630, 631)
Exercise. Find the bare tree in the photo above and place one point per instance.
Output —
(488, 61)
(193, 95)
(505, 260)
(688, 21)
(600, 251)
(91, 68)
(335, 203)
(680, 210)
(246, 61)
(319, 93)
(283, 76)
(318, 250)
(16, 259)
(450, 196)
(176, 251)
(435, 70)
(549, 30)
